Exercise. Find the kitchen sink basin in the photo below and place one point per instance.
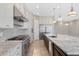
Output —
(53, 36)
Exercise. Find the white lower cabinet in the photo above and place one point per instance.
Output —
(16, 51)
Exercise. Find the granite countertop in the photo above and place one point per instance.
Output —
(69, 44)
(6, 46)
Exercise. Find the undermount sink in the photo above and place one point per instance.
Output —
(61, 38)
(53, 36)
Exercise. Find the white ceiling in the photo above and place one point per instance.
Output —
(46, 9)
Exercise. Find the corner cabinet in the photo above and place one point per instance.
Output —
(6, 15)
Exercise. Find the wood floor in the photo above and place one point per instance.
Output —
(37, 48)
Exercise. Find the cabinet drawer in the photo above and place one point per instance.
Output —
(16, 51)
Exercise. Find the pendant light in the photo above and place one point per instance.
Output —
(72, 12)
(66, 24)
(54, 20)
(60, 18)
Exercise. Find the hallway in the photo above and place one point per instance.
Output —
(37, 48)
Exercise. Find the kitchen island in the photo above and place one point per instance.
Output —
(63, 45)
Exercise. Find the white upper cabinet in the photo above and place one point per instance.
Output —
(6, 15)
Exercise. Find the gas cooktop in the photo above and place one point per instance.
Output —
(20, 37)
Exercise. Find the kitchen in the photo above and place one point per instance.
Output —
(51, 27)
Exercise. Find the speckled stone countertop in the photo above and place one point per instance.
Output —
(6, 46)
(69, 44)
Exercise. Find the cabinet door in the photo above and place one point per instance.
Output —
(47, 43)
(57, 51)
(16, 51)
(6, 15)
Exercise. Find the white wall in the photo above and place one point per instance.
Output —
(56, 28)
(45, 20)
(41, 20)
(36, 28)
(49, 22)
(61, 28)
(74, 28)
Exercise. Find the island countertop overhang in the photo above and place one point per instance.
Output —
(69, 44)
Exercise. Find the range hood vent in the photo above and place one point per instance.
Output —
(20, 18)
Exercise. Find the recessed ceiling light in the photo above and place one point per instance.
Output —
(60, 18)
(66, 24)
(54, 21)
(37, 6)
(58, 6)
(61, 23)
